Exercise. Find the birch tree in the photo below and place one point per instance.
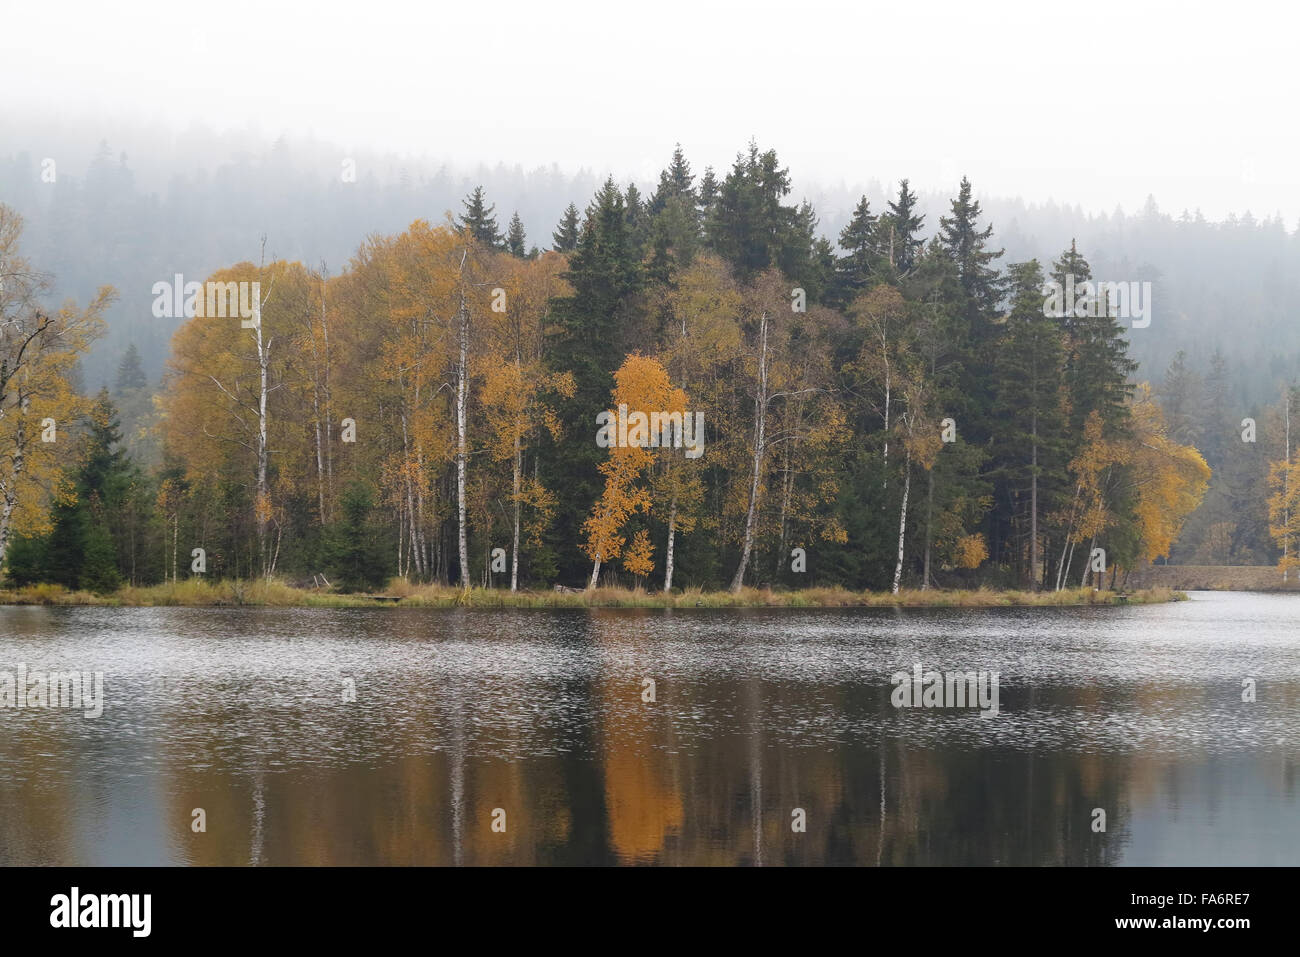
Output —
(39, 349)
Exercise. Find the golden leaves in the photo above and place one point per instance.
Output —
(637, 558)
(970, 551)
(1171, 478)
(641, 384)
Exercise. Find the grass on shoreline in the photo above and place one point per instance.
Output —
(275, 594)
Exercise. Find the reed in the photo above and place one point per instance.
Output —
(194, 592)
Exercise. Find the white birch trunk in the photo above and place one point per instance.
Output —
(902, 519)
(462, 399)
(760, 441)
(263, 493)
(514, 558)
(672, 537)
(11, 491)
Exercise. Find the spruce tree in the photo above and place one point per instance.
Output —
(967, 244)
(354, 553)
(1029, 444)
(674, 182)
(1217, 426)
(130, 373)
(707, 197)
(981, 290)
(605, 273)
(80, 551)
(900, 231)
(565, 237)
(751, 227)
(516, 241)
(593, 326)
(674, 239)
(1180, 396)
(479, 220)
(812, 257)
(638, 219)
(955, 487)
(674, 235)
(1098, 368)
(858, 240)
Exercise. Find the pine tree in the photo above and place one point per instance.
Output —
(858, 240)
(605, 273)
(592, 329)
(565, 237)
(674, 239)
(1217, 426)
(80, 551)
(750, 227)
(1180, 393)
(1097, 363)
(130, 373)
(516, 241)
(479, 220)
(674, 182)
(707, 196)
(1029, 445)
(980, 291)
(674, 235)
(967, 245)
(353, 552)
(638, 219)
(812, 261)
(900, 231)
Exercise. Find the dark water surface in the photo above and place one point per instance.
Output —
(1136, 711)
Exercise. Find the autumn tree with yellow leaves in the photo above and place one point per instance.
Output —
(642, 389)
(1140, 485)
(39, 349)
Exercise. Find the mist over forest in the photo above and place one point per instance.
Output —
(1216, 345)
(138, 208)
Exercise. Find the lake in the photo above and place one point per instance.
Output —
(529, 737)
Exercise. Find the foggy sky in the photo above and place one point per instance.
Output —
(1097, 104)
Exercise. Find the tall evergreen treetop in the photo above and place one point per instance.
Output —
(638, 217)
(707, 195)
(750, 226)
(967, 244)
(1097, 364)
(130, 373)
(900, 231)
(675, 181)
(1073, 264)
(565, 237)
(516, 241)
(479, 219)
(858, 240)
(605, 272)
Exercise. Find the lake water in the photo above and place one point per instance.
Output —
(537, 720)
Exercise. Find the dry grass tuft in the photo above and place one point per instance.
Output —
(195, 592)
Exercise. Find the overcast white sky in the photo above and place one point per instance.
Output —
(1098, 103)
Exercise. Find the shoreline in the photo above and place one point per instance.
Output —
(192, 593)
